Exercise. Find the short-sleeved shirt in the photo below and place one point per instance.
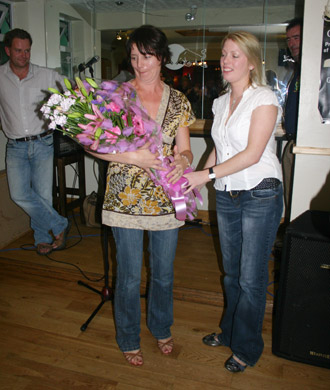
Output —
(132, 199)
(232, 137)
(20, 100)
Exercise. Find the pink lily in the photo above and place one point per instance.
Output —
(112, 135)
(113, 107)
(97, 112)
(138, 125)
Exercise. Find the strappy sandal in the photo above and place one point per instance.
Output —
(166, 347)
(44, 249)
(60, 240)
(134, 358)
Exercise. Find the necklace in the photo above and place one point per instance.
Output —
(235, 100)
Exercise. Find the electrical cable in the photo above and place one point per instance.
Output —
(31, 247)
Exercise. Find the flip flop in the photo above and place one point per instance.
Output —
(44, 249)
(61, 238)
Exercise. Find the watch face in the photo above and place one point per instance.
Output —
(211, 174)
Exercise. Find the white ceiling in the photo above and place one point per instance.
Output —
(154, 5)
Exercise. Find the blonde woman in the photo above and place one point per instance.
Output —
(248, 183)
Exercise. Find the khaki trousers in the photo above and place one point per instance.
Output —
(288, 159)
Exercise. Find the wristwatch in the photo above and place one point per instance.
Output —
(211, 174)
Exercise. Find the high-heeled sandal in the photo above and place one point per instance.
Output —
(134, 358)
(166, 347)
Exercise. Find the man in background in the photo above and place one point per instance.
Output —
(293, 38)
(29, 151)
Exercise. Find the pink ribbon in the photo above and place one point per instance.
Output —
(184, 204)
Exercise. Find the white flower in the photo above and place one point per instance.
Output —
(67, 103)
(55, 99)
(61, 120)
(45, 109)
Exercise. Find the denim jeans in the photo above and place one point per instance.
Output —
(30, 178)
(129, 249)
(247, 229)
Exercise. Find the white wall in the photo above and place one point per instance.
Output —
(311, 188)
(41, 19)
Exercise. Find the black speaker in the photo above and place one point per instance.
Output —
(301, 326)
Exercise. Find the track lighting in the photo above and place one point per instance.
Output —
(191, 15)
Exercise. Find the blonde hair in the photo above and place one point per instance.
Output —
(250, 46)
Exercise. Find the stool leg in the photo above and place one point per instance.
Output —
(55, 190)
(62, 187)
(82, 185)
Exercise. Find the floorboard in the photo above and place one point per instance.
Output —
(42, 308)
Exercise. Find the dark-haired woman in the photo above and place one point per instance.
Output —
(133, 203)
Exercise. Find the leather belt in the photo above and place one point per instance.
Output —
(265, 184)
(33, 137)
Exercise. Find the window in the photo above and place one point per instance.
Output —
(5, 26)
(66, 48)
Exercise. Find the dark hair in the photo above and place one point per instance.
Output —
(16, 33)
(149, 40)
(293, 23)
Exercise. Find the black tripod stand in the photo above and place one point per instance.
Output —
(106, 293)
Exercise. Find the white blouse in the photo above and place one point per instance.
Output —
(232, 137)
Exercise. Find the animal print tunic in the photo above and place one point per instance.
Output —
(132, 199)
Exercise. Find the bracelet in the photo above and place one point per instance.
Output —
(186, 158)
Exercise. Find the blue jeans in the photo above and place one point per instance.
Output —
(247, 226)
(129, 249)
(30, 178)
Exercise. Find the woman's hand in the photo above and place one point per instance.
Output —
(196, 179)
(145, 159)
(180, 163)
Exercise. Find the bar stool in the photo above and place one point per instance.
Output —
(60, 190)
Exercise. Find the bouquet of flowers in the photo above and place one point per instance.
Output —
(110, 119)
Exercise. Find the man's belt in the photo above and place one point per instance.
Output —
(34, 137)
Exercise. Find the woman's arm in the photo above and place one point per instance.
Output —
(183, 156)
(262, 124)
(142, 157)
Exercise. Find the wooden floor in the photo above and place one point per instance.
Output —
(42, 308)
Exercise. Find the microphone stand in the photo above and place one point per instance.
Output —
(107, 292)
(91, 71)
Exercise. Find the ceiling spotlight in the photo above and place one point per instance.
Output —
(119, 3)
(191, 15)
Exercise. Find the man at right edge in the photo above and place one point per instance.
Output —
(293, 38)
